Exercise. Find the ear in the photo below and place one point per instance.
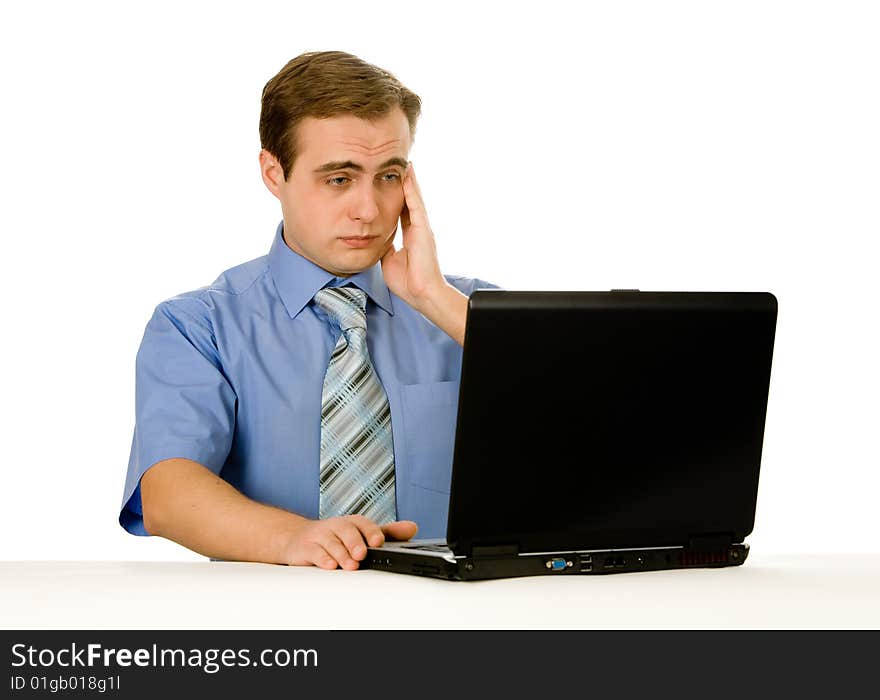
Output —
(273, 175)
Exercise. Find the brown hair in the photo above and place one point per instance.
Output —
(323, 84)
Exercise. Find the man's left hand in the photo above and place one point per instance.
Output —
(413, 271)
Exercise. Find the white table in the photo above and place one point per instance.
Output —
(837, 591)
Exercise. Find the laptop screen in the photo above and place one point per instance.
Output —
(590, 419)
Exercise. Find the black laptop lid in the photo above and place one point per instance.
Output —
(609, 419)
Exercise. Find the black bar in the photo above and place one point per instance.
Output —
(411, 663)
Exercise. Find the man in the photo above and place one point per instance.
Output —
(303, 405)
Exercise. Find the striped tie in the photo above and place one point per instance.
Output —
(357, 454)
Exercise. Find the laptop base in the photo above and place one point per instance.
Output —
(450, 567)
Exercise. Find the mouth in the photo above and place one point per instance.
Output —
(358, 241)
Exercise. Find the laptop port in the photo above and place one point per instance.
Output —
(614, 562)
(557, 564)
(425, 569)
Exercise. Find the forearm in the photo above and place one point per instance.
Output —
(185, 502)
(446, 308)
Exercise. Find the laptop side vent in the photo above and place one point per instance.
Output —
(425, 569)
(709, 558)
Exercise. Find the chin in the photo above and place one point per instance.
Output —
(352, 269)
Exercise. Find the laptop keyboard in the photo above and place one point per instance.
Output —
(427, 547)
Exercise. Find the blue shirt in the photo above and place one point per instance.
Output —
(230, 376)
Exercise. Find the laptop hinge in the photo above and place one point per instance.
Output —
(495, 550)
(712, 541)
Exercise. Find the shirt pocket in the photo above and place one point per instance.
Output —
(429, 413)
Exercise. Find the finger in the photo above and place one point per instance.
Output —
(413, 196)
(404, 217)
(350, 536)
(400, 530)
(370, 531)
(412, 192)
(336, 549)
(313, 553)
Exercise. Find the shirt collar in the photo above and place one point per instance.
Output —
(298, 279)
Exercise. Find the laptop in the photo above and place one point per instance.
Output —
(602, 432)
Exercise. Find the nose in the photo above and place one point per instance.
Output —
(364, 207)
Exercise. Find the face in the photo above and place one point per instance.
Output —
(342, 200)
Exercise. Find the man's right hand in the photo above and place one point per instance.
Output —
(342, 541)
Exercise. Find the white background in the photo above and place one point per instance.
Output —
(567, 145)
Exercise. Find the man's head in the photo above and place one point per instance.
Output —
(335, 134)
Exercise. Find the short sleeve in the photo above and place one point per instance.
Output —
(483, 284)
(467, 285)
(184, 404)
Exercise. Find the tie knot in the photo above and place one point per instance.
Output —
(346, 305)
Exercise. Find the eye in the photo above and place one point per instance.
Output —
(334, 181)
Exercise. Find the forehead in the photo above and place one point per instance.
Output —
(348, 137)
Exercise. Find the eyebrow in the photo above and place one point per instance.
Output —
(351, 165)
